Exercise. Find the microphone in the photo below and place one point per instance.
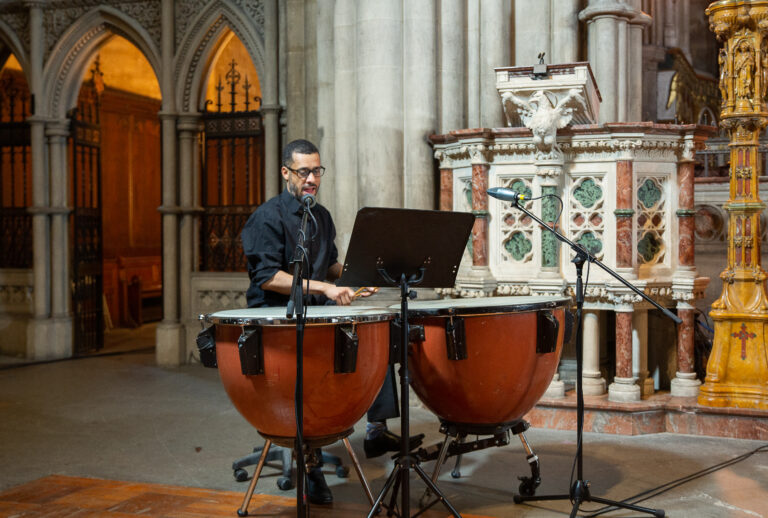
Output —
(502, 193)
(308, 201)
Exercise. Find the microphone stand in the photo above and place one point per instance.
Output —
(579, 492)
(297, 306)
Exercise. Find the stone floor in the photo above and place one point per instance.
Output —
(118, 416)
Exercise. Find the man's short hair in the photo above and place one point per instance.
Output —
(300, 146)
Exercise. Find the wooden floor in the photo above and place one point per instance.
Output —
(59, 496)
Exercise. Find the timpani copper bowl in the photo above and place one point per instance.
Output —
(346, 356)
(487, 360)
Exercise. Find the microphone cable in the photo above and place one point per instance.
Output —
(663, 488)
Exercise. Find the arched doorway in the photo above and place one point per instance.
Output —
(129, 192)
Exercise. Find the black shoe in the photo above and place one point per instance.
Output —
(388, 441)
(317, 490)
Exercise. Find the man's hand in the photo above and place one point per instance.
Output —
(342, 295)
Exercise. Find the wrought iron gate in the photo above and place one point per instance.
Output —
(232, 179)
(85, 165)
(15, 172)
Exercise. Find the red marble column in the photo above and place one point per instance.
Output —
(623, 344)
(446, 189)
(480, 210)
(685, 345)
(685, 214)
(624, 213)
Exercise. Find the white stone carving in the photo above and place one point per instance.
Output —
(543, 116)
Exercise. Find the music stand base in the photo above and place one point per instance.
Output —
(580, 494)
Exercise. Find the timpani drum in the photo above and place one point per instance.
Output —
(346, 356)
(488, 360)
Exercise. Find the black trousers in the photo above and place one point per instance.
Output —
(385, 405)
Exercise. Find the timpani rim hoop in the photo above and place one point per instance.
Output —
(485, 306)
(316, 316)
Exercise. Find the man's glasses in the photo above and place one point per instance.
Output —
(304, 172)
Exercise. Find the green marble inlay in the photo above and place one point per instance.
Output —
(588, 193)
(649, 193)
(518, 246)
(468, 193)
(549, 209)
(649, 247)
(590, 242)
(520, 187)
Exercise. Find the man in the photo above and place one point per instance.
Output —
(269, 242)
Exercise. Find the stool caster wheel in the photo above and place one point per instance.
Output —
(456, 473)
(242, 513)
(241, 475)
(342, 471)
(284, 483)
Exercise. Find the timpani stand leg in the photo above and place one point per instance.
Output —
(528, 485)
(243, 511)
(436, 473)
(456, 473)
(358, 470)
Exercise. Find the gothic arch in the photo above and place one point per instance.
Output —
(12, 44)
(198, 46)
(64, 70)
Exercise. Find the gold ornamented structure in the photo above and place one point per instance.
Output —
(737, 372)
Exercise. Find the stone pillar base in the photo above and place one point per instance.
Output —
(624, 390)
(684, 384)
(169, 349)
(49, 338)
(556, 388)
(593, 386)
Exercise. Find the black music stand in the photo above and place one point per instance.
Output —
(406, 247)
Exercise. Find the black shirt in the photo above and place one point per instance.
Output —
(269, 242)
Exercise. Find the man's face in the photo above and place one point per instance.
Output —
(297, 185)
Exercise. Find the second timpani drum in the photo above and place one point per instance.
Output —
(346, 356)
(487, 360)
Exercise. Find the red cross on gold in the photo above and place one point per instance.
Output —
(743, 335)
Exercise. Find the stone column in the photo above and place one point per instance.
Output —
(494, 52)
(480, 169)
(296, 95)
(564, 46)
(420, 87)
(189, 130)
(532, 31)
(624, 387)
(271, 105)
(622, 66)
(640, 352)
(39, 327)
(61, 345)
(637, 24)
(170, 333)
(624, 214)
(685, 383)
(325, 99)
(606, 50)
(380, 102)
(474, 73)
(446, 188)
(451, 66)
(345, 120)
(592, 379)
